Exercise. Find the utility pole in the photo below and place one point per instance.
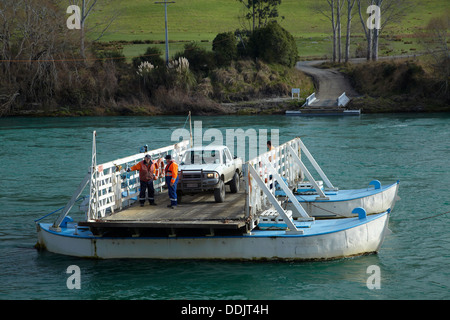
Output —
(165, 2)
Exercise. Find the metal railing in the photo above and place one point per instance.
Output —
(282, 168)
(343, 100)
(113, 188)
(310, 100)
(261, 175)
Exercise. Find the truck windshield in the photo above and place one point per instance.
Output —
(201, 157)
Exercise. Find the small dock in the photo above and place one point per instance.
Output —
(196, 215)
(334, 92)
(328, 107)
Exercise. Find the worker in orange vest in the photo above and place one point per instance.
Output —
(171, 172)
(147, 169)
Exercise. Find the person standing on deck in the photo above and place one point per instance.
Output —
(270, 147)
(171, 172)
(147, 169)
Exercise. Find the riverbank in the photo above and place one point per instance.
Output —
(401, 86)
(396, 86)
(266, 106)
(244, 87)
(367, 104)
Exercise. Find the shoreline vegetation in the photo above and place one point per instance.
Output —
(44, 73)
(397, 86)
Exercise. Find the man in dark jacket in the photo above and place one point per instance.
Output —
(147, 169)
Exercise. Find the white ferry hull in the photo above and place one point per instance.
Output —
(342, 206)
(323, 240)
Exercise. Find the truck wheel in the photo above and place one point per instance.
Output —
(179, 196)
(234, 183)
(219, 192)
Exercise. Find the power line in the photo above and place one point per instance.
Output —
(87, 59)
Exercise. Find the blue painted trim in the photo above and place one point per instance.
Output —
(368, 192)
(361, 213)
(376, 184)
(65, 221)
(327, 227)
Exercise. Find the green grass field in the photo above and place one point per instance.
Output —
(202, 20)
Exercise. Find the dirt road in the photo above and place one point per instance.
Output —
(330, 84)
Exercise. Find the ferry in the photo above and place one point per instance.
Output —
(251, 224)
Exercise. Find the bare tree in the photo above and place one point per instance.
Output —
(34, 46)
(435, 38)
(87, 7)
(327, 10)
(350, 5)
(367, 31)
(339, 30)
(6, 106)
(332, 10)
(391, 11)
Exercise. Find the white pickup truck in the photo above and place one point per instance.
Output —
(208, 168)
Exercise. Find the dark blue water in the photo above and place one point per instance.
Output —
(43, 160)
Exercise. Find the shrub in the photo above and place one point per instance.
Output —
(274, 44)
(388, 69)
(151, 55)
(225, 48)
(201, 62)
(181, 74)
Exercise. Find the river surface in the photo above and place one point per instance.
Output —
(43, 160)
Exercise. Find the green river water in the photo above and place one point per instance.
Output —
(43, 160)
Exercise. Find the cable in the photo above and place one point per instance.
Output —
(86, 59)
(437, 215)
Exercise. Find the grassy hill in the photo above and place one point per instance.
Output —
(201, 20)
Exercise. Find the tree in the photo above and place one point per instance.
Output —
(435, 38)
(87, 7)
(274, 44)
(332, 9)
(350, 4)
(260, 12)
(390, 10)
(225, 48)
(33, 47)
(339, 30)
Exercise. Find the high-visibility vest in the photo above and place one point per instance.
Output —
(172, 171)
